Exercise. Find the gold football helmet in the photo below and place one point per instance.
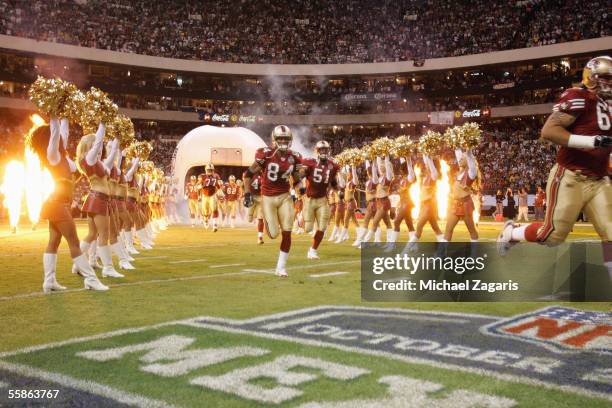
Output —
(210, 168)
(282, 137)
(322, 149)
(597, 75)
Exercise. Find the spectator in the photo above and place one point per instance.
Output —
(510, 204)
(523, 207)
(540, 201)
(499, 203)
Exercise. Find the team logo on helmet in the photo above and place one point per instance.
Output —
(597, 75)
(322, 149)
(210, 168)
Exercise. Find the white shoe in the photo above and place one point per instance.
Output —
(110, 272)
(52, 286)
(282, 273)
(504, 240)
(49, 266)
(94, 284)
(145, 246)
(125, 265)
(312, 254)
(128, 257)
(131, 250)
(410, 248)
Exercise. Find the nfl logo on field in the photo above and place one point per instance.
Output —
(560, 329)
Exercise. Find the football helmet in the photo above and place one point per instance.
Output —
(597, 75)
(232, 178)
(282, 137)
(210, 168)
(193, 178)
(322, 149)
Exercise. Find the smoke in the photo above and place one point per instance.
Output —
(303, 142)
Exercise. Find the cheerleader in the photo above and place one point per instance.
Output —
(403, 212)
(117, 211)
(370, 194)
(428, 211)
(56, 209)
(133, 204)
(97, 204)
(126, 212)
(332, 199)
(342, 231)
(350, 202)
(463, 205)
(383, 204)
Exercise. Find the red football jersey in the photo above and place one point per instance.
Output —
(256, 185)
(231, 191)
(276, 169)
(210, 184)
(192, 191)
(319, 175)
(592, 119)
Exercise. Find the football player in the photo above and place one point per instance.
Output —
(579, 182)
(192, 195)
(256, 210)
(231, 192)
(277, 164)
(320, 174)
(210, 183)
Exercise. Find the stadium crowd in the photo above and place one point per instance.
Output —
(306, 31)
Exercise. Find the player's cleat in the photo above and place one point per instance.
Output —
(260, 241)
(281, 272)
(312, 254)
(504, 240)
(215, 229)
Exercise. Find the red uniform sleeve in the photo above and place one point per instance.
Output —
(572, 101)
(260, 155)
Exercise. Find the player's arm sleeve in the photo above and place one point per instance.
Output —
(53, 153)
(433, 172)
(471, 162)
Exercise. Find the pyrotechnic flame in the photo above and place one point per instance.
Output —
(37, 121)
(12, 188)
(443, 190)
(39, 185)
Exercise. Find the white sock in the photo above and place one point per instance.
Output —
(282, 260)
(518, 233)
(84, 245)
(473, 240)
(377, 234)
(260, 235)
(440, 238)
(360, 233)
(412, 236)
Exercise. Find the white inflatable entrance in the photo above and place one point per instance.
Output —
(233, 146)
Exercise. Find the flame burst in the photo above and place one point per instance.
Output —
(30, 173)
(12, 188)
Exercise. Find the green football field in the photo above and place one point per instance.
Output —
(198, 290)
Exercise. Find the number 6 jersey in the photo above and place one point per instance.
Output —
(276, 169)
(592, 119)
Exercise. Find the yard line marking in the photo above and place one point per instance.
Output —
(226, 265)
(321, 316)
(84, 385)
(187, 261)
(268, 271)
(322, 275)
(151, 257)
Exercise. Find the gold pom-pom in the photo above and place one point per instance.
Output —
(382, 146)
(431, 143)
(341, 158)
(98, 108)
(470, 135)
(354, 156)
(123, 130)
(55, 97)
(140, 149)
(403, 146)
(146, 167)
(367, 152)
(453, 138)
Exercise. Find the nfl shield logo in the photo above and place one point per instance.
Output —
(559, 329)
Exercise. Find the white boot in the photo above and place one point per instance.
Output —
(108, 270)
(144, 243)
(360, 233)
(312, 254)
(440, 238)
(129, 240)
(280, 265)
(391, 240)
(87, 272)
(49, 266)
(412, 244)
(333, 234)
(118, 250)
(339, 235)
(378, 235)
(121, 239)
